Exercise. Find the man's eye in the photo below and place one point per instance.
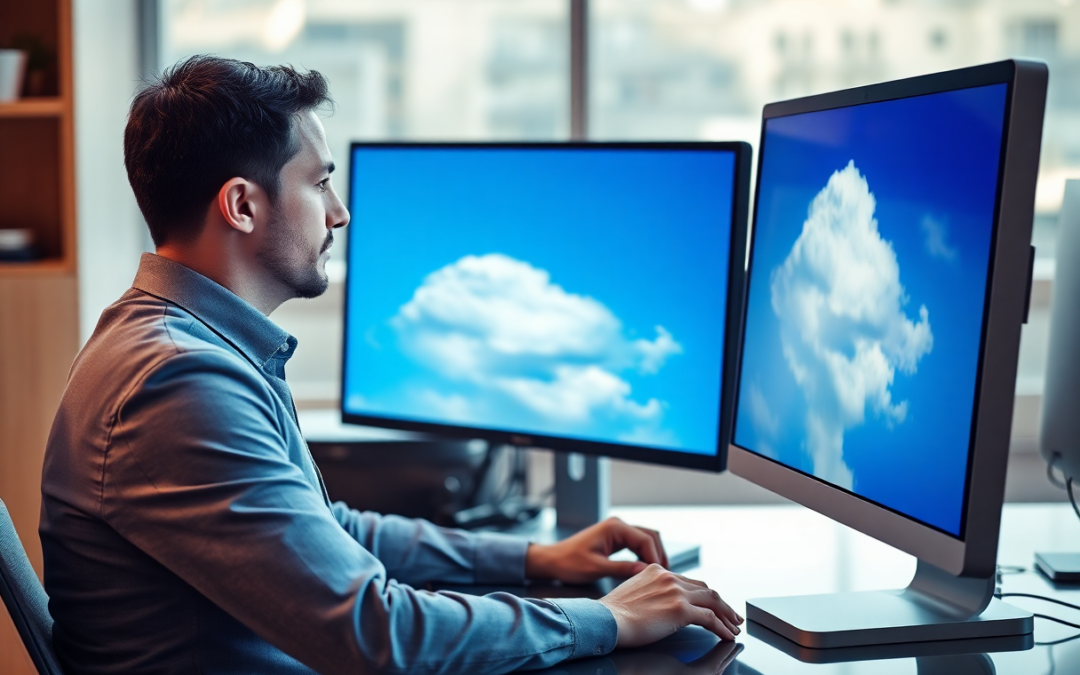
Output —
(322, 185)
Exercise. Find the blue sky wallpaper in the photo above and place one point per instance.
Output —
(573, 293)
(867, 289)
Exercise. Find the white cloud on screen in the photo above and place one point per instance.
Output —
(503, 325)
(935, 236)
(452, 407)
(843, 327)
(765, 423)
(763, 419)
(655, 353)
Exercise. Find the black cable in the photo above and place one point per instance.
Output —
(1051, 643)
(1056, 620)
(1041, 597)
(1072, 498)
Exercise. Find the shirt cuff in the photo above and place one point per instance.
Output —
(592, 625)
(499, 559)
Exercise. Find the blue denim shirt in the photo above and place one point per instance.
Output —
(186, 529)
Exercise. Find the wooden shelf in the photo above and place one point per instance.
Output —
(51, 106)
(33, 269)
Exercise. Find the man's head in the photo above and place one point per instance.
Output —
(222, 144)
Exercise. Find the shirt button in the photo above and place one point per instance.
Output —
(599, 649)
(284, 347)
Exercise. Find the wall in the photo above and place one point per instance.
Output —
(111, 230)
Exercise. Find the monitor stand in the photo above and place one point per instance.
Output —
(582, 498)
(935, 606)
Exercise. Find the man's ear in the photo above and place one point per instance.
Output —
(242, 204)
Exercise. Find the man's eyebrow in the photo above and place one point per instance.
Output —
(330, 166)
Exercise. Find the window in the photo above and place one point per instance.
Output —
(398, 69)
(770, 50)
(658, 69)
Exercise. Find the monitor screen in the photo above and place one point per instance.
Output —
(559, 291)
(867, 292)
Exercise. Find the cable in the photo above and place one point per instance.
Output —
(1047, 617)
(1072, 498)
(1040, 597)
(1051, 643)
(1055, 619)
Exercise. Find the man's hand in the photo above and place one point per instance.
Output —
(583, 558)
(656, 603)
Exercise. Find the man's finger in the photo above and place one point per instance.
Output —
(642, 545)
(706, 597)
(709, 621)
(659, 546)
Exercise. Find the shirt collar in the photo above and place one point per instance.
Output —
(224, 312)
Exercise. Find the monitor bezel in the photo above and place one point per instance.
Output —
(732, 329)
(1008, 276)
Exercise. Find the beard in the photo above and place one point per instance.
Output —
(287, 258)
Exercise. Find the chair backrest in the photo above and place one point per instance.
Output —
(25, 599)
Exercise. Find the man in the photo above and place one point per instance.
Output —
(185, 526)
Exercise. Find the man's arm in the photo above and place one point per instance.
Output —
(416, 552)
(198, 478)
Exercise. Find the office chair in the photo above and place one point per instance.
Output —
(25, 599)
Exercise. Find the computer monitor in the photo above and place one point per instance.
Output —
(579, 297)
(888, 279)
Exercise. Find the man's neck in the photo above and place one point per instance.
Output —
(219, 264)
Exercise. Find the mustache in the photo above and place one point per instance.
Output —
(328, 243)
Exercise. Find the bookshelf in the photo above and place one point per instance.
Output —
(37, 173)
(39, 332)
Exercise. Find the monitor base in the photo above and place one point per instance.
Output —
(878, 618)
(926, 653)
(936, 606)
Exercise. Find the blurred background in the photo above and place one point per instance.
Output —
(501, 70)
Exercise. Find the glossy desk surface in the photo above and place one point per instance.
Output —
(759, 551)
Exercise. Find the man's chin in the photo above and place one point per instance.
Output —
(314, 283)
(313, 287)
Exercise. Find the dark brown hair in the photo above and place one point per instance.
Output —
(204, 121)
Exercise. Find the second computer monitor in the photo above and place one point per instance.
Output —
(581, 297)
(888, 272)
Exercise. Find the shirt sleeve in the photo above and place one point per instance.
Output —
(416, 551)
(199, 478)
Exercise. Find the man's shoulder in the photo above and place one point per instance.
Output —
(146, 361)
(143, 323)
(141, 334)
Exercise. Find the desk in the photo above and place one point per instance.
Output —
(755, 551)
